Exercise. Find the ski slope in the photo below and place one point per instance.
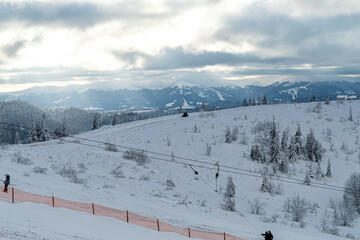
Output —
(193, 202)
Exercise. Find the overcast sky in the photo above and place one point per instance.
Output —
(156, 43)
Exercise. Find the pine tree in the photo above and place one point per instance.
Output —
(292, 150)
(255, 153)
(310, 148)
(274, 144)
(115, 120)
(229, 201)
(250, 102)
(328, 170)
(265, 184)
(34, 135)
(228, 137)
(259, 101)
(307, 180)
(44, 132)
(17, 138)
(317, 151)
(284, 140)
(284, 166)
(298, 142)
(95, 123)
(350, 115)
(245, 104)
(253, 102)
(319, 174)
(313, 98)
(264, 101)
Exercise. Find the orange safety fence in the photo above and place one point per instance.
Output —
(15, 195)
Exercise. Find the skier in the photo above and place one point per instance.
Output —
(6, 182)
(268, 235)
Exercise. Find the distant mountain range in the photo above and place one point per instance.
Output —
(187, 95)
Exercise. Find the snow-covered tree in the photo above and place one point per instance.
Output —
(292, 150)
(313, 98)
(34, 135)
(350, 115)
(259, 101)
(44, 132)
(95, 124)
(298, 142)
(284, 140)
(245, 103)
(352, 191)
(274, 144)
(255, 153)
(61, 131)
(115, 120)
(307, 179)
(328, 170)
(284, 166)
(228, 137)
(17, 138)
(310, 142)
(229, 201)
(264, 101)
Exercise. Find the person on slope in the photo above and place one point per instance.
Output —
(268, 235)
(6, 182)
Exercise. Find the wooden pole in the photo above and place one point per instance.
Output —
(12, 195)
(127, 216)
(93, 208)
(189, 232)
(158, 225)
(53, 200)
(224, 236)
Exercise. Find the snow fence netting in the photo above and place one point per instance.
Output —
(15, 195)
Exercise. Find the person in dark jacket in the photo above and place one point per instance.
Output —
(267, 235)
(6, 182)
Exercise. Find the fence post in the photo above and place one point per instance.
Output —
(189, 232)
(93, 208)
(158, 225)
(53, 200)
(127, 216)
(12, 195)
(224, 236)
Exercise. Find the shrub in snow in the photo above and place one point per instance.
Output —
(256, 207)
(40, 170)
(111, 147)
(344, 214)
(208, 149)
(71, 174)
(168, 141)
(352, 192)
(16, 157)
(144, 178)
(169, 184)
(297, 207)
(82, 166)
(117, 173)
(138, 156)
(228, 138)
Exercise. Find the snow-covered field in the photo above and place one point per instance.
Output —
(192, 202)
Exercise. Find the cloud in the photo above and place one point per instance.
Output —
(12, 49)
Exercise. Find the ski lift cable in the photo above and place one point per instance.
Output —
(281, 179)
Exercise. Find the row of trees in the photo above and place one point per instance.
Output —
(252, 101)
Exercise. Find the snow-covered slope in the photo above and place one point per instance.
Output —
(193, 202)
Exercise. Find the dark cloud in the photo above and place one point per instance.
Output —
(12, 49)
(178, 58)
(73, 14)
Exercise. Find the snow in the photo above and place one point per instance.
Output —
(61, 100)
(219, 95)
(37, 221)
(193, 201)
(183, 85)
(170, 104)
(186, 105)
